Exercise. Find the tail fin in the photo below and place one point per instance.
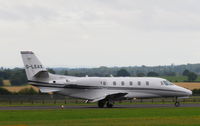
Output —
(33, 67)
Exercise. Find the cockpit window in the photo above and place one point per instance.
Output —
(167, 83)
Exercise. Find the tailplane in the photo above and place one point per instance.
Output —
(33, 67)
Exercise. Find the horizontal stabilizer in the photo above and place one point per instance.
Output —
(42, 74)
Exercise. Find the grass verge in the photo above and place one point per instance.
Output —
(102, 117)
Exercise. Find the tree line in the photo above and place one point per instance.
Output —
(17, 76)
(170, 70)
(25, 91)
(191, 76)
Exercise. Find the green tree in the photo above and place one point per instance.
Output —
(1, 82)
(152, 74)
(192, 76)
(66, 72)
(79, 74)
(123, 73)
(4, 91)
(51, 70)
(5, 73)
(18, 77)
(185, 72)
(140, 74)
(169, 73)
(195, 91)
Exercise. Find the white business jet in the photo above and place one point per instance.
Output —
(104, 90)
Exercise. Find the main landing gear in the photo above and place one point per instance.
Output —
(177, 103)
(101, 103)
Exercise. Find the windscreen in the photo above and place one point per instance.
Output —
(167, 83)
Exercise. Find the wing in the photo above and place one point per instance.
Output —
(93, 95)
(114, 96)
(49, 89)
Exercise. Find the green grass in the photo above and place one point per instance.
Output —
(102, 117)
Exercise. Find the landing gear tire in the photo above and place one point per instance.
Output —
(177, 104)
(109, 105)
(101, 104)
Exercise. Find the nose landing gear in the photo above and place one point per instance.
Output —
(177, 103)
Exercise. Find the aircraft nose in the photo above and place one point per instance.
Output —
(185, 92)
(189, 92)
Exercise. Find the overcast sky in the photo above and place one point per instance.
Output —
(93, 33)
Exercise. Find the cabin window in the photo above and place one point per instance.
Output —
(104, 83)
(122, 83)
(67, 80)
(131, 83)
(161, 83)
(147, 83)
(54, 81)
(114, 83)
(139, 83)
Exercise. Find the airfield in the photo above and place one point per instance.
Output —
(123, 115)
(157, 112)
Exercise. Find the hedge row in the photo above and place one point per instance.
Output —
(25, 91)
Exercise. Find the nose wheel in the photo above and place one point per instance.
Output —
(177, 103)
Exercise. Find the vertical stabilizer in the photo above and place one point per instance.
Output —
(33, 66)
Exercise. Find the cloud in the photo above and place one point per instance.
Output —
(138, 14)
(26, 13)
(103, 32)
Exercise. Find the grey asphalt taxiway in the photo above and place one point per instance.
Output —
(94, 106)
